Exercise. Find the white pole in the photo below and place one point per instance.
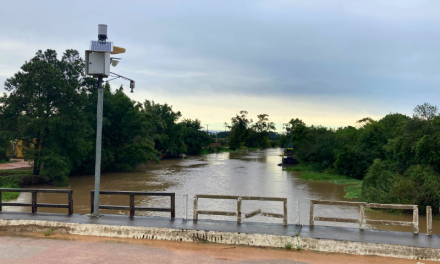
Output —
(98, 147)
(298, 219)
(185, 199)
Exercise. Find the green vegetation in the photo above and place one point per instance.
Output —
(49, 232)
(322, 176)
(18, 179)
(50, 105)
(245, 135)
(10, 195)
(397, 157)
(353, 191)
(288, 246)
(299, 167)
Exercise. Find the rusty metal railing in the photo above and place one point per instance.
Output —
(238, 213)
(34, 203)
(132, 208)
(361, 220)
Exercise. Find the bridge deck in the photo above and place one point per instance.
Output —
(318, 232)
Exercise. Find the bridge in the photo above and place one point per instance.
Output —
(360, 241)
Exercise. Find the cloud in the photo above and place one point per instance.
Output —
(383, 55)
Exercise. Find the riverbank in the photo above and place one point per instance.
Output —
(18, 178)
(353, 190)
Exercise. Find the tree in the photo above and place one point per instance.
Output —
(167, 133)
(194, 138)
(262, 128)
(425, 111)
(239, 130)
(44, 109)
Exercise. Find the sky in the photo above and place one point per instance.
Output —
(327, 62)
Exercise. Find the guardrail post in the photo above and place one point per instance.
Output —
(429, 220)
(298, 215)
(361, 217)
(239, 219)
(285, 211)
(92, 201)
(70, 201)
(173, 205)
(0, 201)
(185, 200)
(312, 220)
(195, 215)
(34, 202)
(416, 220)
(131, 205)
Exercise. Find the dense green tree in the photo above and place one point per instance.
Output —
(262, 127)
(195, 139)
(239, 130)
(44, 109)
(167, 133)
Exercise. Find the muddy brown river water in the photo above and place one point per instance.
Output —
(252, 173)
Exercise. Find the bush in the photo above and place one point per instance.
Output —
(419, 185)
(10, 195)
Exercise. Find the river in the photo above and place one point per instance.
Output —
(252, 173)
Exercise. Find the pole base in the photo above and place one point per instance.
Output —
(95, 215)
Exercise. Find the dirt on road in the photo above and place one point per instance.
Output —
(63, 248)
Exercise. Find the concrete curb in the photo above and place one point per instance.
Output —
(323, 245)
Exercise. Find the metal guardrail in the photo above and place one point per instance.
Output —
(34, 203)
(238, 213)
(362, 221)
(132, 208)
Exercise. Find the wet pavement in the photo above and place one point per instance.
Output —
(319, 232)
(35, 248)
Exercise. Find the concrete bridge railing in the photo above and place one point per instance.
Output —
(361, 220)
(239, 213)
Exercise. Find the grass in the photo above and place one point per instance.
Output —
(10, 195)
(353, 191)
(14, 172)
(298, 247)
(299, 167)
(4, 161)
(49, 232)
(334, 178)
(288, 246)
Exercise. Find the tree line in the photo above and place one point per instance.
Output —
(397, 156)
(51, 107)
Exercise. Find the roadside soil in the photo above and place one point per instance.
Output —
(64, 248)
(15, 164)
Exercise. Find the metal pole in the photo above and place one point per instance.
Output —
(98, 148)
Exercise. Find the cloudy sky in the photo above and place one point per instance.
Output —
(327, 62)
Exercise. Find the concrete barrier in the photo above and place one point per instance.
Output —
(232, 238)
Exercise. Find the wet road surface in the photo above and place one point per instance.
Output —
(61, 248)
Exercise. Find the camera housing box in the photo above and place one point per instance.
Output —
(97, 63)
